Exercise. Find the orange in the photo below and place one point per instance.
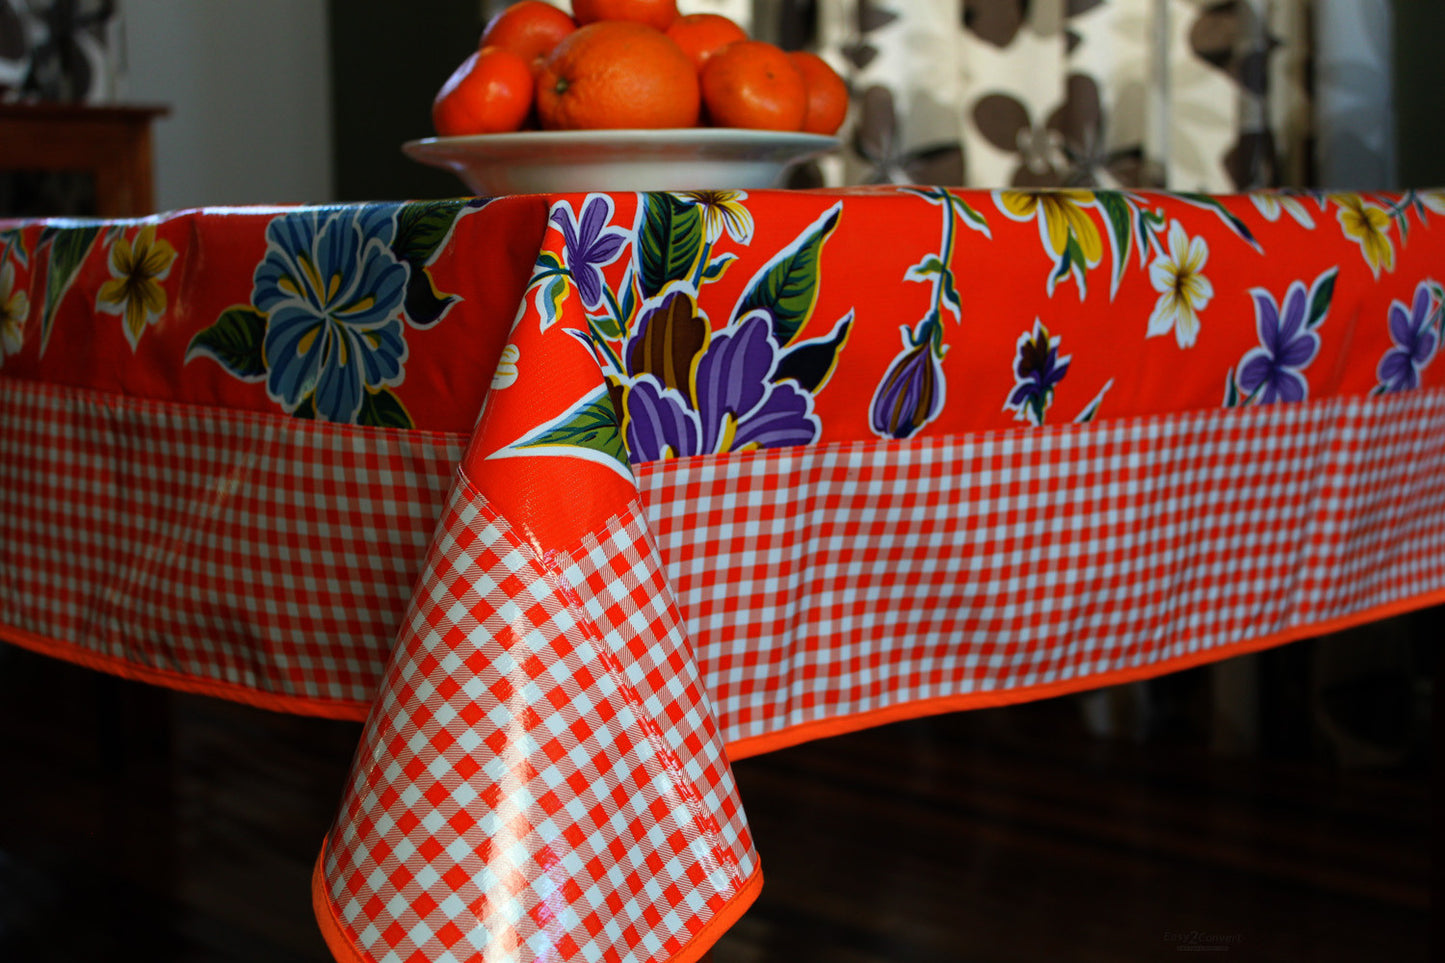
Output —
(655, 13)
(490, 93)
(753, 84)
(827, 94)
(617, 74)
(700, 35)
(529, 29)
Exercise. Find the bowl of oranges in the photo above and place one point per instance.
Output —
(628, 95)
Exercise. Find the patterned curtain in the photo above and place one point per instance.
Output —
(1205, 95)
(1202, 95)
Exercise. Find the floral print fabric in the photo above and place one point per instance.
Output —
(1416, 331)
(138, 265)
(604, 331)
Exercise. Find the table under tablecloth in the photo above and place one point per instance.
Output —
(574, 498)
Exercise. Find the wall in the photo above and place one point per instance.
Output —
(1419, 81)
(248, 84)
(388, 61)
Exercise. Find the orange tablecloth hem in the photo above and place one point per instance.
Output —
(752, 745)
(723, 921)
(180, 682)
(331, 931)
(839, 725)
(345, 951)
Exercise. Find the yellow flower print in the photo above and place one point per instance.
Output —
(134, 291)
(14, 307)
(723, 210)
(1369, 226)
(1068, 233)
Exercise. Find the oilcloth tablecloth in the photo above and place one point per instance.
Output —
(575, 497)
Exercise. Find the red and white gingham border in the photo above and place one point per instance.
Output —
(540, 777)
(261, 553)
(277, 556)
(834, 580)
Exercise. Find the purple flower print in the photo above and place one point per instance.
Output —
(783, 418)
(732, 378)
(589, 243)
(659, 422)
(731, 403)
(1416, 341)
(1272, 372)
(1037, 369)
(678, 385)
(911, 392)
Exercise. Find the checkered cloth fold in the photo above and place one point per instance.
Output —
(541, 776)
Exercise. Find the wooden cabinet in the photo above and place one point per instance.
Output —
(110, 143)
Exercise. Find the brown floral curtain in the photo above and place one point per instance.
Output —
(1186, 94)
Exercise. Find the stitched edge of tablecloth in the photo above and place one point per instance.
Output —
(345, 951)
(751, 745)
(81, 651)
(822, 728)
(78, 654)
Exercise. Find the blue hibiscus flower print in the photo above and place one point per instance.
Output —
(332, 290)
(1416, 338)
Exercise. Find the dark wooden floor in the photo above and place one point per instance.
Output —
(136, 824)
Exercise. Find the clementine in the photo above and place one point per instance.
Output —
(827, 94)
(530, 29)
(753, 84)
(490, 93)
(617, 74)
(655, 13)
(700, 35)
